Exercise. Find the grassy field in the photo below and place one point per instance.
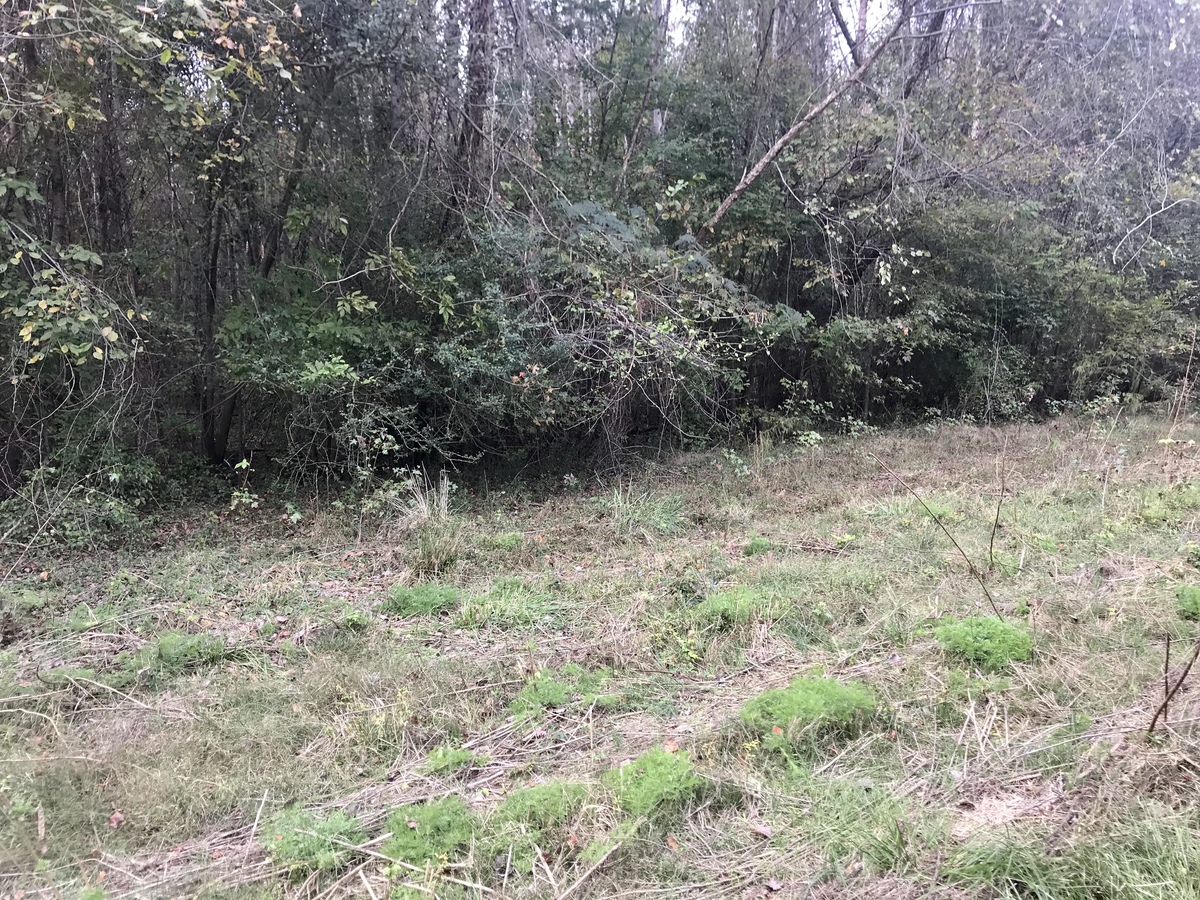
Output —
(759, 674)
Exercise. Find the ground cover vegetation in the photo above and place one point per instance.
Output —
(255, 704)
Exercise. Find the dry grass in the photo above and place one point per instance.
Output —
(161, 787)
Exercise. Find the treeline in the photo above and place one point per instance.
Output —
(351, 235)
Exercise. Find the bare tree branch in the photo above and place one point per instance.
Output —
(811, 116)
(844, 28)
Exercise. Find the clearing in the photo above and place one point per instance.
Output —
(733, 675)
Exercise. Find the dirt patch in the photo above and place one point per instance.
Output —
(999, 810)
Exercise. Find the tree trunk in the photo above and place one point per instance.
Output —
(480, 73)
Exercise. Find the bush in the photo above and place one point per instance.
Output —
(985, 641)
(429, 831)
(303, 842)
(807, 706)
(421, 599)
(1188, 602)
(654, 784)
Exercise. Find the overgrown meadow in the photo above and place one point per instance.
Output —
(918, 664)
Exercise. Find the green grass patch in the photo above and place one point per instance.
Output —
(426, 599)
(985, 641)
(553, 689)
(643, 513)
(1187, 602)
(787, 718)
(446, 760)
(1148, 859)
(508, 541)
(168, 656)
(511, 603)
(655, 785)
(756, 546)
(303, 842)
(533, 817)
(740, 606)
(430, 832)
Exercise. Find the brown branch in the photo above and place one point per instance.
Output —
(811, 116)
(1162, 708)
(844, 28)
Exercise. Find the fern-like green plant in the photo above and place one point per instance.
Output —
(985, 641)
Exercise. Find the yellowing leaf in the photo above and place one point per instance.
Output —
(97, 353)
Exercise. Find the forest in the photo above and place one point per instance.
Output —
(348, 237)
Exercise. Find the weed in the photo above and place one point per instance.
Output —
(1188, 602)
(447, 760)
(756, 546)
(785, 717)
(524, 821)
(655, 785)
(425, 599)
(643, 513)
(302, 842)
(987, 642)
(433, 831)
(439, 544)
(511, 603)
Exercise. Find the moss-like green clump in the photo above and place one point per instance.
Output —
(757, 545)
(1187, 603)
(541, 691)
(726, 610)
(806, 707)
(543, 805)
(447, 760)
(421, 599)
(655, 784)
(531, 818)
(429, 831)
(985, 641)
(304, 842)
